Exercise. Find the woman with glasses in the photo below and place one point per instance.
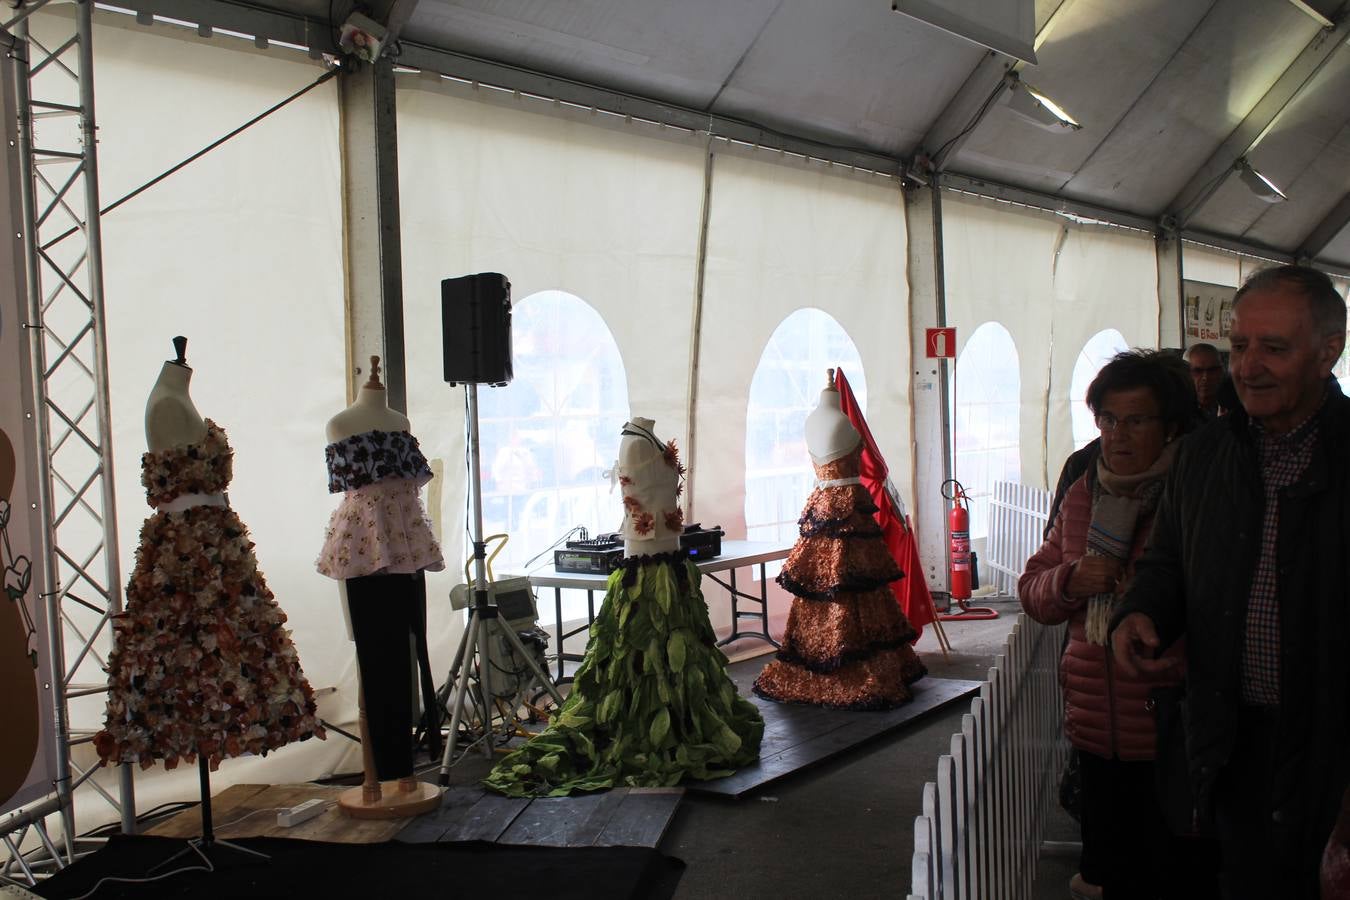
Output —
(1142, 401)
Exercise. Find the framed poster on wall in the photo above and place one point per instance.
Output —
(1209, 313)
(28, 750)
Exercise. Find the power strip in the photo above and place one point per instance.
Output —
(288, 818)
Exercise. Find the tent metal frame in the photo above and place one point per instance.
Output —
(57, 154)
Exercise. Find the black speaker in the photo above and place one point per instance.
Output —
(476, 329)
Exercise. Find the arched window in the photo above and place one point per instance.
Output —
(786, 386)
(546, 437)
(987, 395)
(1096, 353)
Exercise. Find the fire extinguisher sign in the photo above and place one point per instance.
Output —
(941, 343)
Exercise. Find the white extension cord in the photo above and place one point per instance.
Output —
(303, 812)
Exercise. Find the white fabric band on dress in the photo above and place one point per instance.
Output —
(839, 482)
(187, 501)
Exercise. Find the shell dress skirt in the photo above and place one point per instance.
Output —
(202, 661)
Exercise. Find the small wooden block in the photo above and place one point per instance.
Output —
(393, 802)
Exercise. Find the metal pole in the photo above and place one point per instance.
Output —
(38, 362)
(94, 248)
(480, 584)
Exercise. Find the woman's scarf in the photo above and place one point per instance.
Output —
(1119, 502)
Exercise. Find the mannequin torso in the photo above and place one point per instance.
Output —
(643, 457)
(171, 419)
(829, 433)
(370, 412)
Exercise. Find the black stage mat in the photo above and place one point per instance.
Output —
(797, 736)
(471, 869)
(620, 817)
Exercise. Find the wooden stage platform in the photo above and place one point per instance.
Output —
(795, 737)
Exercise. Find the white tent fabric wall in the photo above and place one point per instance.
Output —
(1104, 278)
(783, 237)
(1210, 265)
(1002, 264)
(608, 215)
(1000, 267)
(242, 253)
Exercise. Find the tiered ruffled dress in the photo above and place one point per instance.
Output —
(202, 661)
(380, 526)
(847, 642)
(652, 703)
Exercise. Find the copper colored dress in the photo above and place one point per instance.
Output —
(847, 642)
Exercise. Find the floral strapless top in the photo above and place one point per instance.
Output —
(203, 467)
(374, 456)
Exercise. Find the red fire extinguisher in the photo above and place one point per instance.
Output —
(958, 524)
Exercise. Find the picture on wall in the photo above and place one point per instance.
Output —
(1209, 313)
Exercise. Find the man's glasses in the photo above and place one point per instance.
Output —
(1106, 422)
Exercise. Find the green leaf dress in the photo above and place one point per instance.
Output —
(652, 703)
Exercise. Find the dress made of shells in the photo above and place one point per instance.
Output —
(202, 661)
(847, 642)
(380, 526)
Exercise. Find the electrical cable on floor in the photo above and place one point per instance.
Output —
(117, 878)
(330, 73)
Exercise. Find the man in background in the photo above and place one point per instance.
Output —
(1248, 562)
(1207, 373)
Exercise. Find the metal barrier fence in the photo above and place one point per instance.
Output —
(1017, 518)
(979, 834)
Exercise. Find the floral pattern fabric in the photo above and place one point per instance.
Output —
(847, 642)
(651, 489)
(380, 527)
(204, 467)
(202, 661)
(373, 456)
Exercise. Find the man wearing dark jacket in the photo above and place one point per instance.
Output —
(1250, 561)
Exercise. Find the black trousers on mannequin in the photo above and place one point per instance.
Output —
(389, 622)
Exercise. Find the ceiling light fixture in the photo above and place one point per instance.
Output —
(1037, 108)
(1259, 184)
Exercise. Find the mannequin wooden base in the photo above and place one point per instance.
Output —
(392, 800)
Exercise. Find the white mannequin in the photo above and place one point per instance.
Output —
(829, 433)
(370, 411)
(171, 420)
(634, 451)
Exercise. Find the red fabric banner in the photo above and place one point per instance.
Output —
(911, 592)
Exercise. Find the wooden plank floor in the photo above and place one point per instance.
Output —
(799, 736)
(250, 810)
(622, 817)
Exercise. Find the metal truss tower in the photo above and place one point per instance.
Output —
(51, 75)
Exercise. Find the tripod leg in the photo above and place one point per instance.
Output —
(485, 684)
(514, 640)
(457, 712)
(443, 695)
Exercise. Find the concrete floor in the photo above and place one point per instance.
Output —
(844, 828)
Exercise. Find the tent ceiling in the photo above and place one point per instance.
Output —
(1160, 87)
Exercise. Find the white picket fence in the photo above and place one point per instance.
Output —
(979, 834)
(1017, 517)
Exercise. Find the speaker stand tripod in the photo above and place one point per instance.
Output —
(483, 619)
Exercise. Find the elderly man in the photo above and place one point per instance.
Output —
(1207, 373)
(1248, 562)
